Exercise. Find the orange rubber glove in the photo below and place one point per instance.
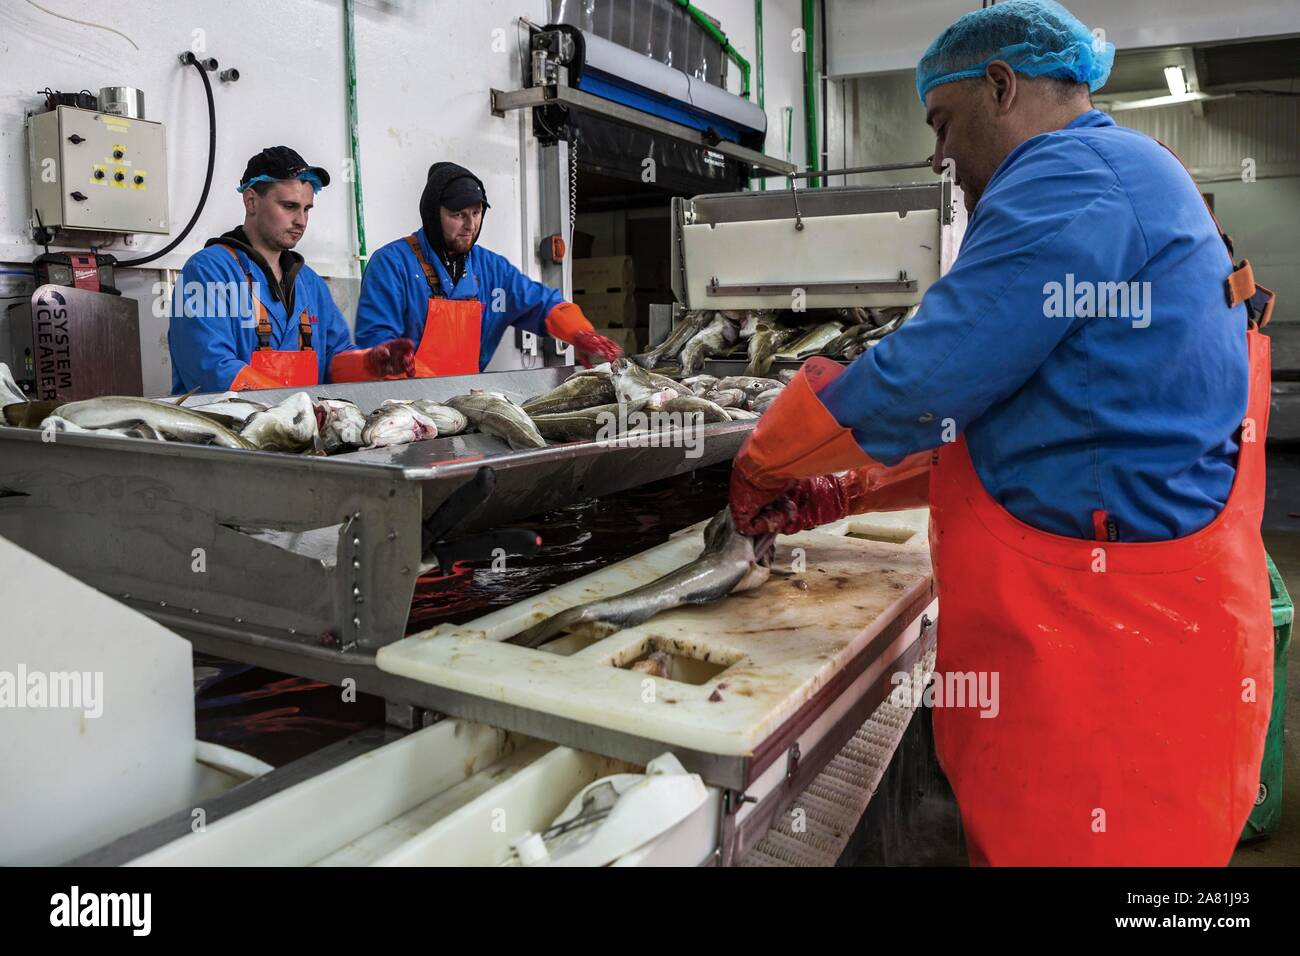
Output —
(567, 323)
(394, 357)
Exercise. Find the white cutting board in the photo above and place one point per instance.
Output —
(69, 781)
(781, 642)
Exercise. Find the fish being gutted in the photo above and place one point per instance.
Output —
(716, 338)
(494, 414)
(583, 390)
(730, 562)
(397, 425)
(290, 426)
(177, 424)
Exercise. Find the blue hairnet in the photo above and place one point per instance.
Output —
(306, 176)
(1034, 37)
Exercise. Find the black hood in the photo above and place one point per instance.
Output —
(290, 263)
(441, 176)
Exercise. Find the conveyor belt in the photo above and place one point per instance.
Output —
(835, 801)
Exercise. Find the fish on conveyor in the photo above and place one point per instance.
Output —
(396, 425)
(696, 405)
(671, 347)
(741, 414)
(177, 424)
(494, 414)
(764, 399)
(763, 347)
(230, 408)
(632, 383)
(716, 338)
(730, 562)
(700, 384)
(751, 385)
(290, 426)
(10, 393)
(585, 424)
(139, 430)
(811, 343)
(581, 390)
(449, 421)
(340, 424)
(786, 375)
(727, 397)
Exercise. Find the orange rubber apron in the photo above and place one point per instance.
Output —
(1135, 679)
(453, 328)
(289, 369)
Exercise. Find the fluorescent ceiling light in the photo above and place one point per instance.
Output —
(1177, 80)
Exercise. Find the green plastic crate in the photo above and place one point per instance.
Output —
(1264, 819)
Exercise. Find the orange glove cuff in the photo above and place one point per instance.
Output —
(878, 487)
(350, 367)
(797, 437)
(565, 321)
(250, 378)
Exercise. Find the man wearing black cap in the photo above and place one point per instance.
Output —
(248, 313)
(456, 299)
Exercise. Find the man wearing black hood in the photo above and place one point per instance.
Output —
(454, 298)
(249, 313)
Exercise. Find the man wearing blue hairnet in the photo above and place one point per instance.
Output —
(1081, 401)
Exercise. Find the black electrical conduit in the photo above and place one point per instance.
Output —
(191, 60)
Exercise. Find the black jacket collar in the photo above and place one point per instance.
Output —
(290, 263)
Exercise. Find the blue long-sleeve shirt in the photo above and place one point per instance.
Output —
(212, 332)
(1067, 413)
(395, 295)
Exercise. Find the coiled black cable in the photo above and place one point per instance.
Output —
(193, 61)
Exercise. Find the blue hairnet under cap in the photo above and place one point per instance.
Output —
(1034, 37)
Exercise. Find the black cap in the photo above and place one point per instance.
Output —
(280, 162)
(462, 192)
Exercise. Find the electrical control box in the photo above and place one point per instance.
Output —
(97, 171)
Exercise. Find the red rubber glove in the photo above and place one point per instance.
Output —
(798, 506)
(589, 344)
(394, 357)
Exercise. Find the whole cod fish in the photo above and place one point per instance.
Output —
(582, 390)
(811, 343)
(177, 424)
(290, 426)
(667, 350)
(494, 414)
(716, 338)
(730, 562)
(632, 383)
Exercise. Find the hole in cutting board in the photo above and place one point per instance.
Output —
(877, 532)
(673, 661)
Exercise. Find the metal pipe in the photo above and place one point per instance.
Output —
(884, 167)
(712, 30)
(810, 89)
(758, 62)
(350, 74)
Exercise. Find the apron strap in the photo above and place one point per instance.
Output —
(304, 327)
(1241, 285)
(430, 273)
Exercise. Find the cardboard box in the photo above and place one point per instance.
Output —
(616, 310)
(619, 274)
(604, 274)
(631, 341)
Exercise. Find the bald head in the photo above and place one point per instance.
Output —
(978, 121)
